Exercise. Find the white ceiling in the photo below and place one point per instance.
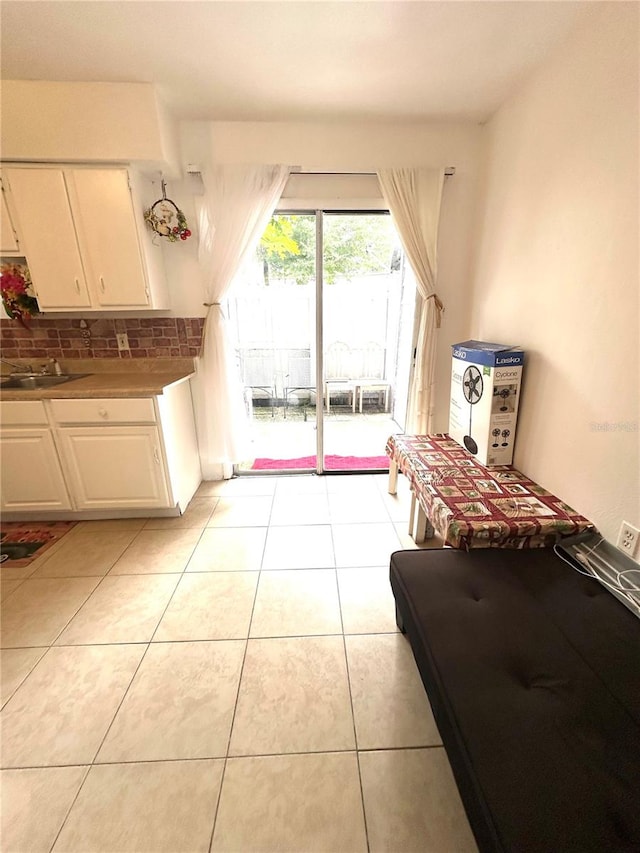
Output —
(319, 60)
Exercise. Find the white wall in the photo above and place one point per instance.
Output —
(359, 148)
(557, 265)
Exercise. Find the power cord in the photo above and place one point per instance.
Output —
(595, 573)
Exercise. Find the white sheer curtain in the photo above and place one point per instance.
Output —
(237, 204)
(414, 197)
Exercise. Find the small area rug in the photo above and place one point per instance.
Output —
(21, 542)
(331, 463)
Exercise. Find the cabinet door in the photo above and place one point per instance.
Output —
(108, 233)
(8, 240)
(44, 219)
(114, 467)
(30, 472)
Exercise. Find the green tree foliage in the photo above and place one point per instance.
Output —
(353, 245)
(277, 245)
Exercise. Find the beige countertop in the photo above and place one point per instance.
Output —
(139, 383)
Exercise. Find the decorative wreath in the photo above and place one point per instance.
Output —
(166, 219)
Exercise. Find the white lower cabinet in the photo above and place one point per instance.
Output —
(30, 474)
(105, 456)
(114, 466)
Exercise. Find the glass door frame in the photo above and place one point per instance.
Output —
(319, 341)
(320, 384)
(319, 214)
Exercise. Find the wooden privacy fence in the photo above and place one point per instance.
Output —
(275, 333)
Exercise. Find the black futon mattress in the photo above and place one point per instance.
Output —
(533, 674)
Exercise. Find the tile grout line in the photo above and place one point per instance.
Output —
(414, 747)
(41, 559)
(170, 530)
(9, 594)
(182, 575)
(72, 804)
(91, 594)
(52, 644)
(99, 584)
(45, 650)
(353, 716)
(357, 750)
(209, 526)
(144, 654)
(126, 692)
(246, 648)
(207, 639)
(90, 765)
(120, 554)
(244, 657)
(235, 706)
(124, 695)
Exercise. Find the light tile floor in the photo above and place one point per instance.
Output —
(232, 680)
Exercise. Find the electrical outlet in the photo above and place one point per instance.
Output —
(628, 539)
(123, 341)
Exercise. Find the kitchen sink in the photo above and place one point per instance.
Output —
(39, 381)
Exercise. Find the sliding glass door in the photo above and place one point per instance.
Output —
(361, 293)
(318, 318)
(272, 311)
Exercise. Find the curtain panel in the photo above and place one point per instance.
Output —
(414, 197)
(237, 204)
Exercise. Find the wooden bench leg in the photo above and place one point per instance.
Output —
(412, 514)
(393, 477)
(424, 528)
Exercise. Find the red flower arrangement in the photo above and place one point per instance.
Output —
(17, 293)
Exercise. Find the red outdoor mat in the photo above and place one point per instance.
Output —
(331, 463)
(21, 542)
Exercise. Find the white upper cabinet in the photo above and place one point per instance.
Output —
(107, 232)
(9, 242)
(46, 225)
(83, 240)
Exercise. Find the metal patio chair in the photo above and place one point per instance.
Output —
(338, 373)
(370, 375)
(298, 376)
(258, 373)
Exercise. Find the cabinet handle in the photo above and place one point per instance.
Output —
(103, 413)
(77, 286)
(156, 455)
(102, 287)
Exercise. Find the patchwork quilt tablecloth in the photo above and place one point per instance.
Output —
(471, 506)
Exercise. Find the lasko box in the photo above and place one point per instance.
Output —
(485, 392)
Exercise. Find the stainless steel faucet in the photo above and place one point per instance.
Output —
(21, 368)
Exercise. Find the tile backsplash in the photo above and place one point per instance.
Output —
(148, 338)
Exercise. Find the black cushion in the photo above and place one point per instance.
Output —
(533, 674)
